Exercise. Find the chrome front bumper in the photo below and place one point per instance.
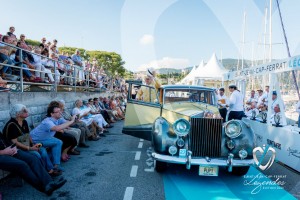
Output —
(188, 161)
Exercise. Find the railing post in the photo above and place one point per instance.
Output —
(88, 80)
(55, 76)
(21, 70)
(74, 79)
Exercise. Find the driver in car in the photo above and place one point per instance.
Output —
(143, 93)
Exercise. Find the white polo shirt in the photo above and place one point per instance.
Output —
(236, 101)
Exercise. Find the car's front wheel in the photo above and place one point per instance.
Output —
(160, 166)
(240, 171)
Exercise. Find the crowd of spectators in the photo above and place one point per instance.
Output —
(36, 155)
(45, 64)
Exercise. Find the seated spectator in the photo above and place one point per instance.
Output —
(252, 109)
(11, 31)
(53, 65)
(106, 103)
(96, 108)
(81, 114)
(85, 132)
(277, 113)
(5, 52)
(50, 133)
(110, 113)
(72, 133)
(96, 112)
(26, 64)
(16, 131)
(28, 167)
(113, 106)
(97, 118)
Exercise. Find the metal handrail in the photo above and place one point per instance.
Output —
(74, 71)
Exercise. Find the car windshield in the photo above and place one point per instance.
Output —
(189, 95)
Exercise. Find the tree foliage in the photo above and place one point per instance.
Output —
(111, 62)
(32, 42)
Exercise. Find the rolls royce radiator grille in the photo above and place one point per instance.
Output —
(206, 137)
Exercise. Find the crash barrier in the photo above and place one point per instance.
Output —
(17, 83)
(285, 141)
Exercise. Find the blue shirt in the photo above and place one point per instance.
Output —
(76, 58)
(43, 130)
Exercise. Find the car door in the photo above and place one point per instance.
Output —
(141, 112)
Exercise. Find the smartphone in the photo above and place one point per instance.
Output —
(13, 145)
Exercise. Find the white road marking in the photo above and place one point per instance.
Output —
(137, 155)
(128, 193)
(149, 170)
(133, 171)
(140, 145)
(141, 140)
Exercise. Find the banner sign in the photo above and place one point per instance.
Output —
(278, 66)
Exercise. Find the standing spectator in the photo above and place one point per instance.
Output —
(11, 31)
(274, 101)
(76, 58)
(235, 104)
(222, 103)
(260, 103)
(266, 95)
(252, 98)
(44, 47)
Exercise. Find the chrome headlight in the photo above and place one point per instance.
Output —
(233, 129)
(181, 127)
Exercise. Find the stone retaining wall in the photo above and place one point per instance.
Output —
(37, 102)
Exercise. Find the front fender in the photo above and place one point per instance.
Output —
(162, 136)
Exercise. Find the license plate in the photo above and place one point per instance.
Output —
(206, 170)
(182, 153)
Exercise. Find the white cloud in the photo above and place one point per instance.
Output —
(147, 39)
(166, 62)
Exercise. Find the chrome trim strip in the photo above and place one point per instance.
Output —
(202, 161)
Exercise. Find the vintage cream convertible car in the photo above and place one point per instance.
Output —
(185, 127)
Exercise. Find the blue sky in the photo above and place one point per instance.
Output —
(156, 33)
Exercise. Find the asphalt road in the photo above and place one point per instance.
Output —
(120, 167)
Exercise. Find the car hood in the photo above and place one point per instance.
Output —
(190, 108)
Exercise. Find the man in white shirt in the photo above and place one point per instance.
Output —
(252, 109)
(276, 112)
(252, 98)
(265, 95)
(274, 101)
(236, 106)
(222, 103)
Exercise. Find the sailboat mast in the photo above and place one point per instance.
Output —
(265, 34)
(243, 39)
(288, 49)
(270, 31)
